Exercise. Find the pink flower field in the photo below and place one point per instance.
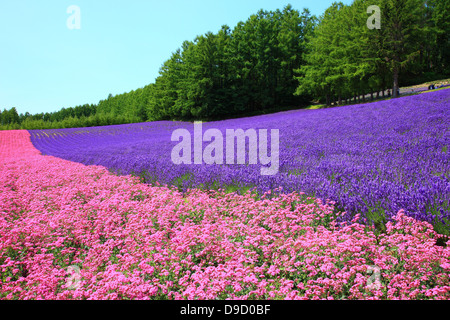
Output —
(70, 231)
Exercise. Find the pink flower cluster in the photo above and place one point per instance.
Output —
(70, 231)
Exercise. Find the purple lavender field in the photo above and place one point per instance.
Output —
(373, 159)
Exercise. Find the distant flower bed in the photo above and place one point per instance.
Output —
(375, 159)
(70, 231)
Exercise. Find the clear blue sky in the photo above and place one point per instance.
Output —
(120, 46)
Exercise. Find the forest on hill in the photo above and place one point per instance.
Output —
(275, 60)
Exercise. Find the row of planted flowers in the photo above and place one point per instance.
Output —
(70, 231)
(374, 159)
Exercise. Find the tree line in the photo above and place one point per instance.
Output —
(346, 59)
(279, 59)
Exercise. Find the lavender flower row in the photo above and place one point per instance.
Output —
(375, 158)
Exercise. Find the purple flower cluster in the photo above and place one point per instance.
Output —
(374, 159)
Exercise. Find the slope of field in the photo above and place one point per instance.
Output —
(374, 159)
(70, 231)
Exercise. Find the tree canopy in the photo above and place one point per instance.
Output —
(275, 60)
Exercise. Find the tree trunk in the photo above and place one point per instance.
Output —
(396, 88)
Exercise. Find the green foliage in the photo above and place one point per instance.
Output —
(277, 60)
(233, 72)
(345, 58)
